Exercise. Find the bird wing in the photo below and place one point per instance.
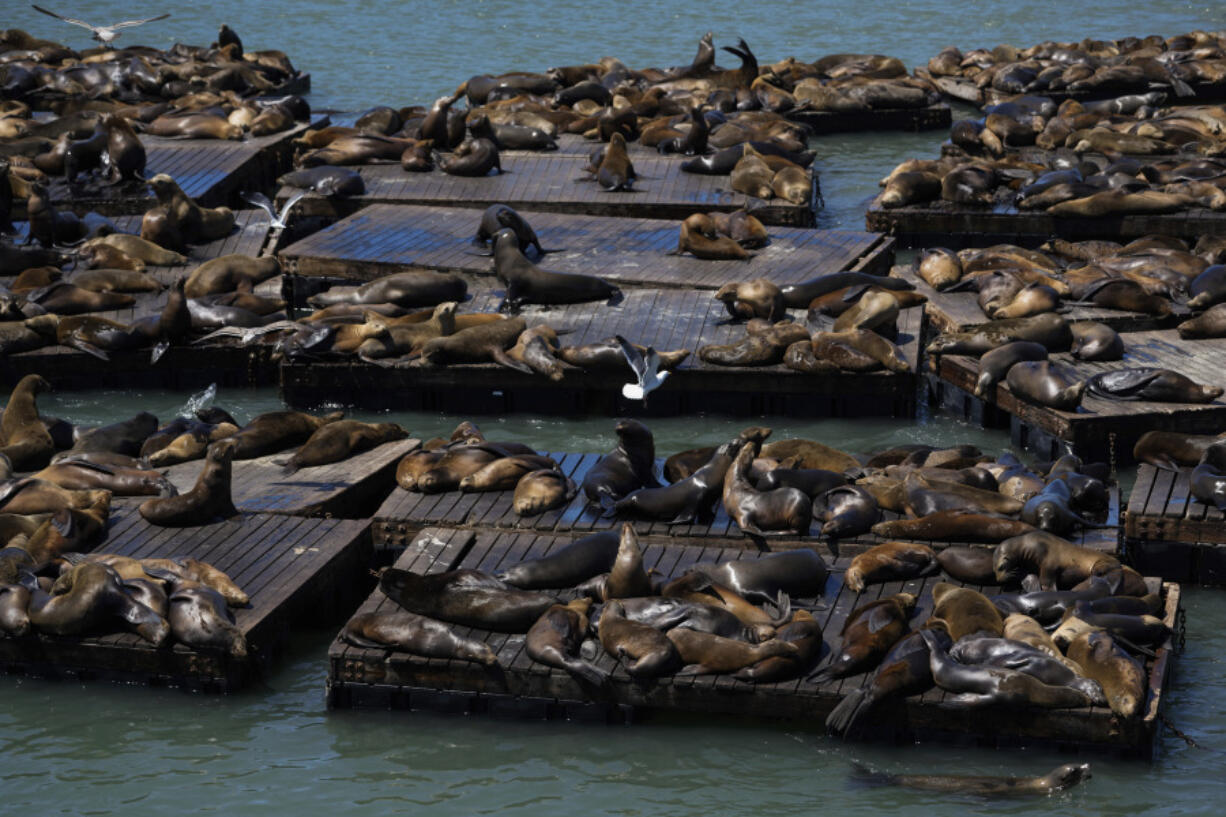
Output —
(652, 366)
(131, 23)
(633, 358)
(294, 199)
(62, 17)
(261, 201)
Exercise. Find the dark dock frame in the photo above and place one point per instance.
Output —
(1168, 533)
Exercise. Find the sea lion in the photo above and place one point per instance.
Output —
(1097, 341)
(629, 466)
(811, 454)
(566, 566)
(940, 268)
(1209, 324)
(995, 365)
(555, 638)
(874, 310)
(607, 356)
(208, 499)
(482, 343)
(972, 565)
(498, 217)
(964, 612)
(759, 298)
(890, 561)
(685, 499)
(704, 653)
(24, 440)
(1016, 655)
(14, 609)
(63, 298)
(615, 171)
(813, 481)
(277, 430)
(528, 283)
(1058, 779)
(195, 224)
(405, 289)
(799, 296)
(627, 578)
(868, 633)
(334, 442)
(1208, 479)
(200, 617)
(226, 273)
(1049, 329)
(1121, 676)
(699, 236)
(85, 476)
(804, 632)
(763, 513)
(454, 465)
(505, 473)
(1038, 382)
(475, 157)
(542, 490)
(415, 634)
(652, 653)
(1059, 564)
(179, 569)
(1159, 385)
(849, 510)
(954, 526)
(124, 437)
(465, 597)
(326, 180)
(31, 496)
(1050, 509)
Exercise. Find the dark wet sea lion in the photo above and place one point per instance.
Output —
(465, 597)
(498, 217)
(208, 499)
(542, 490)
(868, 633)
(1038, 382)
(686, 499)
(334, 442)
(704, 653)
(1121, 676)
(476, 157)
(528, 283)
(646, 651)
(850, 510)
(801, 573)
(85, 476)
(1049, 606)
(1096, 341)
(1209, 476)
(277, 430)
(1060, 778)
(890, 561)
(1160, 385)
(555, 638)
(1172, 449)
(763, 513)
(627, 577)
(195, 224)
(566, 566)
(972, 565)
(1049, 329)
(1050, 509)
(1059, 563)
(415, 634)
(200, 617)
(813, 481)
(88, 598)
(1016, 655)
(405, 289)
(666, 612)
(799, 296)
(629, 466)
(124, 437)
(511, 137)
(326, 180)
(995, 365)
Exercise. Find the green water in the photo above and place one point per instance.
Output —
(97, 749)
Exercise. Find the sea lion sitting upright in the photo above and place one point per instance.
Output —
(528, 283)
(195, 224)
(763, 513)
(24, 440)
(629, 466)
(615, 171)
(208, 499)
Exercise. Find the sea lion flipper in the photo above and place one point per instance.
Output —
(501, 356)
(90, 349)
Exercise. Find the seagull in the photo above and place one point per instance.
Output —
(646, 369)
(277, 220)
(103, 34)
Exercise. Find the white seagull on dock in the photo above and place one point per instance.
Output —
(646, 369)
(103, 34)
(277, 220)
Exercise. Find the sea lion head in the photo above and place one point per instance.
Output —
(222, 451)
(632, 431)
(1070, 774)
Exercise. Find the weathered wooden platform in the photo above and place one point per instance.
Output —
(665, 319)
(184, 367)
(944, 224)
(1170, 534)
(348, 489)
(296, 570)
(405, 513)
(932, 117)
(380, 678)
(1103, 430)
(386, 238)
(211, 171)
(960, 312)
(555, 182)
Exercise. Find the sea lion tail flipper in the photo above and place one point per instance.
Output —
(90, 349)
(500, 356)
(845, 712)
(608, 505)
(821, 675)
(783, 602)
(616, 298)
(1132, 646)
(1181, 88)
(585, 672)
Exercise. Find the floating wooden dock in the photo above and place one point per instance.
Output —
(406, 513)
(348, 489)
(182, 367)
(932, 117)
(666, 319)
(944, 224)
(1168, 533)
(555, 182)
(1102, 430)
(385, 679)
(296, 570)
(211, 171)
(960, 312)
(387, 238)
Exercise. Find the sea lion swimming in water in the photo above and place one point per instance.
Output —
(1058, 779)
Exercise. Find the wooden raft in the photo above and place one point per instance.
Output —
(382, 678)
(1103, 430)
(385, 238)
(405, 513)
(1168, 533)
(182, 367)
(211, 171)
(556, 182)
(932, 117)
(960, 312)
(348, 489)
(666, 319)
(944, 224)
(296, 570)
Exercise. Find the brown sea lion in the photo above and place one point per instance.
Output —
(208, 499)
(136, 247)
(704, 653)
(940, 268)
(972, 565)
(648, 653)
(31, 496)
(200, 617)
(699, 237)
(890, 561)
(333, 442)
(88, 598)
(1121, 676)
(277, 430)
(955, 526)
(627, 578)
(484, 343)
(868, 633)
(475, 157)
(555, 638)
(1172, 449)
(964, 612)
(812, 454)
(763, 513)
(759, 298)
(24, 440)
(542, 490)
(195, 224)
(1059, 563)
(615, 171)
(226, 273)
(85, 476)
(803, 631)
(465, 597)
(505, 473)
(629, 466)
(528, 283)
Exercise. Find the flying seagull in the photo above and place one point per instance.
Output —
(277, 219)
(103, 34)
(646, 369)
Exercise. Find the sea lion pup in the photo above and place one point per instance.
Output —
(555, 638)
(208, 499)
(195, 224)
(24, 440)
(759, 298)
(763, 513)
(277, 430)
(542, 490)
(1121, 676)
(629, 466)
(699, 237)
(415, 634)
(528, 283)
(869, 632)
(465, 597)
(646, 651)
(804, 632)
(499, 217)
(334, 442)
(964, 612)
(228, 272)
(1058, 779)
(1159, 385)
(890, 561)
(979, 685)
(88, 598)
